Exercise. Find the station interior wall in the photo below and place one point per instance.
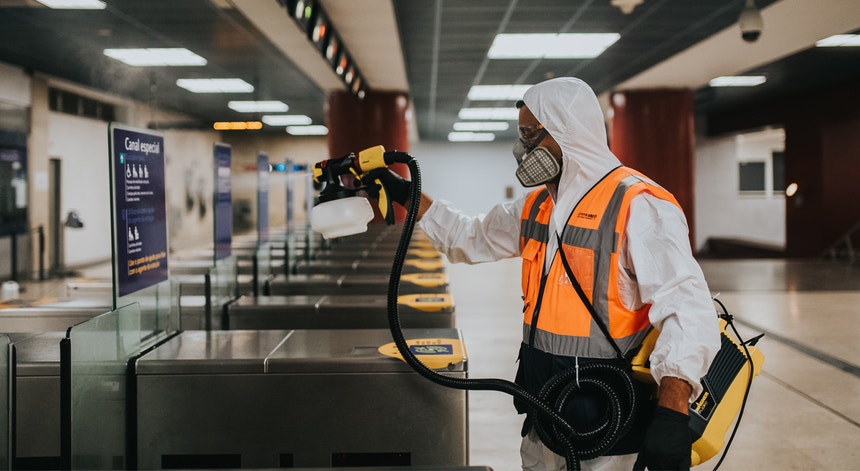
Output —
(472, 176)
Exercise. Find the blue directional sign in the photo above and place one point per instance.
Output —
(262, 198)
(223, 203)
(139, 214)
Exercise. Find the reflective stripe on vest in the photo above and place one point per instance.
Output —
(591, 241)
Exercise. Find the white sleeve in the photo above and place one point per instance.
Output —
(670, 279)
(474, 239)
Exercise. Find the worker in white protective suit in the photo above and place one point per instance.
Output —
(584, 199)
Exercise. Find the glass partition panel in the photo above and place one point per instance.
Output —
(263, 257)
(5, 402)
(100, 349)
(224, 279)
(159, 311)
(224, 288)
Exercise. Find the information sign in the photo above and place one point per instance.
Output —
(223, 202)
(262, 198)
(139, 215)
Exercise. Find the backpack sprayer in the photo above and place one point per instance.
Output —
(725, 388)
(341, 211)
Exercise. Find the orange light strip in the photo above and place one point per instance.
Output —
(237, 125)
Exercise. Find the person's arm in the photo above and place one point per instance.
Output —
(423, 205)
(668, 278)
(472, 239)
(675, 394)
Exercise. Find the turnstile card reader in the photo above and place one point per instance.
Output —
(354, 283)
(303, 398)
(434, 310)
(364, 266)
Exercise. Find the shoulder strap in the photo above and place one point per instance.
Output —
(586, 302)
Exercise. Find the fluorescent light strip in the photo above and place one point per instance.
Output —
(840, 40)
(471, 136)
(506, 114)
(738, 81)
(258, 106)
(215, 85)
(497, 92)
(155, 57)
(551, 46)
(482, 126)
(74, 4)
(287, 120)
(317, 130)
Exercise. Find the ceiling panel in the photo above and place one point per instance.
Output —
(443, 47)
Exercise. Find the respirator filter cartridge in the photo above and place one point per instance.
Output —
(537, 167)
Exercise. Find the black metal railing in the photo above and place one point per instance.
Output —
(846, 247)
(18, 253)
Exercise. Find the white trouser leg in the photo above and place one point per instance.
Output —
(537, 457)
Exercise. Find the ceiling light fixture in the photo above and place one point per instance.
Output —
(471, 136)
(551, 45)
(258, 106)
(237, 125)
(74, 4)
(497, 92)
(287, 120)
(215, 85)
(156, 57)
(738, 81)
(840, 40)
(482, 126)
(315, 130)
(503, 114)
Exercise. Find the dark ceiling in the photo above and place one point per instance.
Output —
(444, 45)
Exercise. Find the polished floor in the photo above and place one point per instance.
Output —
(803, 411)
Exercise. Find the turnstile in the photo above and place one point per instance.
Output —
(37, 400)
(300, 398)
(366, 266)
(355, 283)
(51, 316)
(338, 312)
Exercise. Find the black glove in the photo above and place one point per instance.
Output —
(667, 441)
(397, 189)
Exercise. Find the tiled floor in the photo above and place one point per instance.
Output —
(803, 411)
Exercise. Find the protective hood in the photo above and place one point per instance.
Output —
(568, 109)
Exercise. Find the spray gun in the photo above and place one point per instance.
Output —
(341, 211)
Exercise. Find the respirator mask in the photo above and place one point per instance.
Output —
(536, 165)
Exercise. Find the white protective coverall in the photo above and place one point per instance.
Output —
(657, 264)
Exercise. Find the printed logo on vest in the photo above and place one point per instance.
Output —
(584, 215)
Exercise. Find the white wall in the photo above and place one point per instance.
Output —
(81, 144)
(472, 176)
(721, 211)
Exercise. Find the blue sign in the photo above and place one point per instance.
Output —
(262, 198)
(223, 202)
(139, 215)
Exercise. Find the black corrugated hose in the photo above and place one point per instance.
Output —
(555, 432)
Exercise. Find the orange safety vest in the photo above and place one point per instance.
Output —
(555, 320)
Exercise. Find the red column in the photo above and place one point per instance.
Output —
(652, 131)
(380, 118)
